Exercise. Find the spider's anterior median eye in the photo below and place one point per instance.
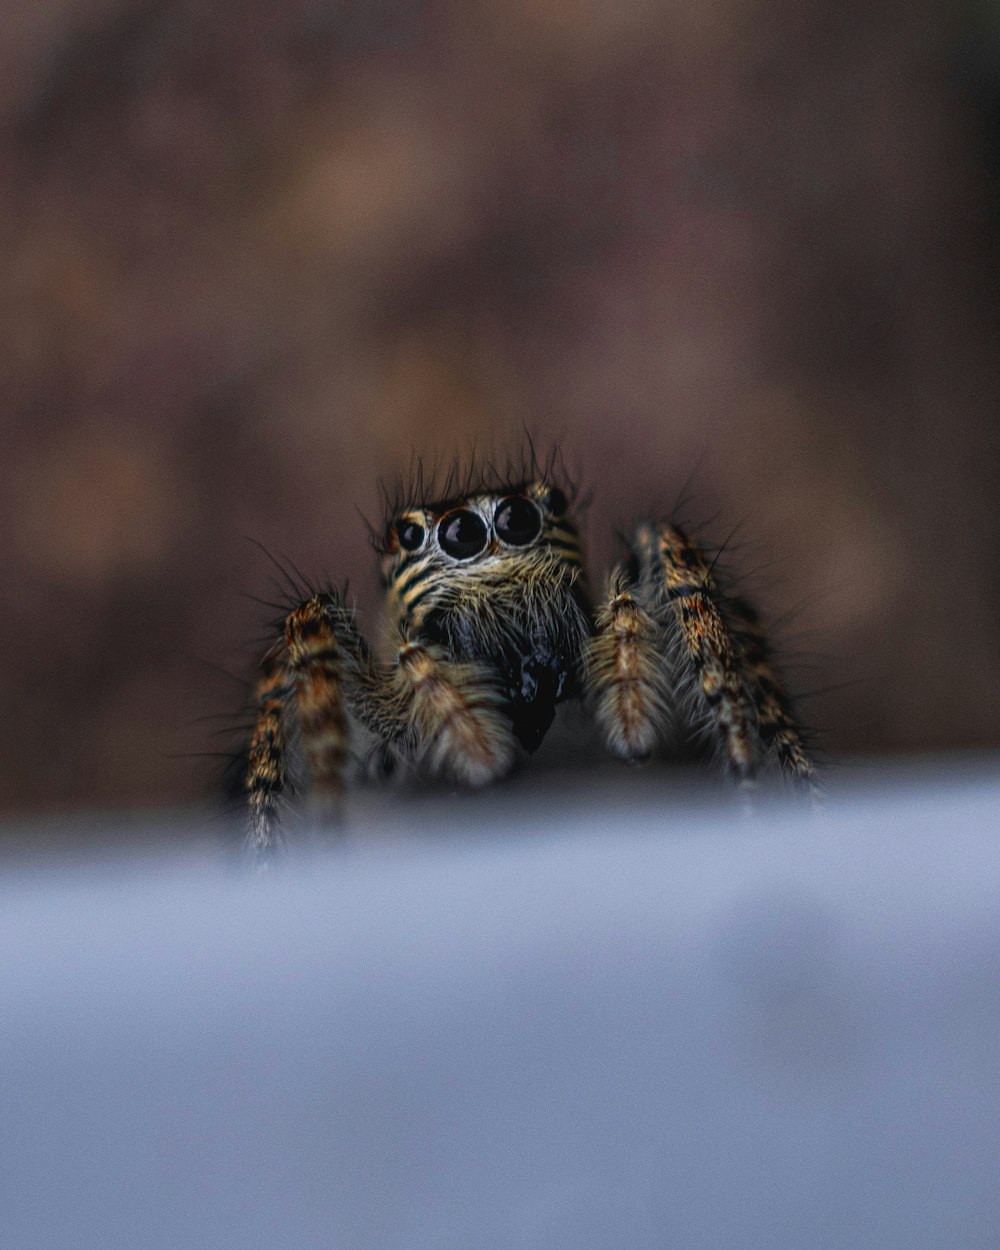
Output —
(462, 533)
(411, 535)
(517, 521)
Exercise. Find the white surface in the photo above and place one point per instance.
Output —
(630, 1025)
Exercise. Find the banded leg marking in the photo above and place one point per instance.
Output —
(265, 778)
(778, 725)
(316, 667)
(687, 587)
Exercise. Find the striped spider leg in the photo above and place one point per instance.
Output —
(301, 722)
(671, 655)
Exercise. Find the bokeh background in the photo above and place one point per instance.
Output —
(256, 253)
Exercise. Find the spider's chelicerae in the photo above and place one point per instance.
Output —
(490, 626)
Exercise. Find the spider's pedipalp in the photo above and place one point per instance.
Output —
(455, 712)
(682, 594)
(625, 674)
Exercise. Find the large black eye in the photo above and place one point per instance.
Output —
(556, 501)
(411, 535)
(462, 533)
(517, 521)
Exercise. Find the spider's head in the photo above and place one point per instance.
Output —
(495, 576)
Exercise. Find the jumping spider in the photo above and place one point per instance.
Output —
(491, 626)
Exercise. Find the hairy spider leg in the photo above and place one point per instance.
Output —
(301, 698)
(315, 662)
(683, 593)
(776, 718)
(265, 779)
(626, 680)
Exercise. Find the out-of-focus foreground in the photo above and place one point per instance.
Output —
(257, 251)
(691, 1037)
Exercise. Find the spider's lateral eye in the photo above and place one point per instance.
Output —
(462, 533)
(411, 535)
(517, 521)
(555, 501)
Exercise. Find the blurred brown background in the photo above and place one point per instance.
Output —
(254, 253)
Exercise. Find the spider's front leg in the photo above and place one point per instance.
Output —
(670, 646)
(625, 675)
(706, 662)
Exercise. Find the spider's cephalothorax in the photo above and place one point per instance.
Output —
(490, 627)
(495, 580)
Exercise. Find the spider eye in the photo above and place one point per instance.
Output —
(411, 535)
(556, 502)
(462, 533)
(517, 521)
